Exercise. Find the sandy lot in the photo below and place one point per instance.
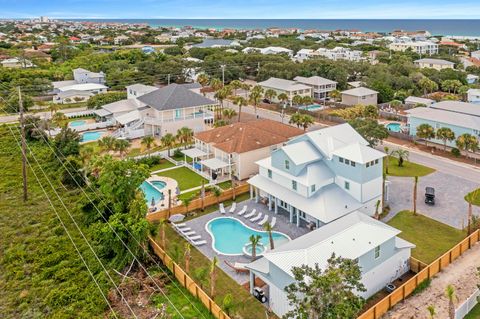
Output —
(462, 274)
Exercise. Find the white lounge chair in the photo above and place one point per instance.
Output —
(251, 213)
(263, 221)
(222, 209)
(274, 221)
(180, 225)
(184, 229)
(190, 233)
(244, 209)
(196, 237)
(256, 218)
(199, 242)
(234, 206)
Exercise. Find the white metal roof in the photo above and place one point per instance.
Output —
(283, 85)
(101, 112)
(83, 87)
(194, 152)
(447, 117)
(121, 106)
(128, 117)
(214, 163)
(314, 80)
(360, 91)
(418, 100)
(302, 152)
(359, 153)
(458, 107)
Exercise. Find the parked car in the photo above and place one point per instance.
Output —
(430, 195)
(259, 294)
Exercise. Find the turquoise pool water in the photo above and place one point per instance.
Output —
(91, 136)
(313, 107)
(152, 192)
(230, 235)
(394, 127)
(77, 123)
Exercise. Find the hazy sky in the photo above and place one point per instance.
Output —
(231, 9)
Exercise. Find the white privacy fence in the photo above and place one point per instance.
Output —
(467, 305)
(92, 126)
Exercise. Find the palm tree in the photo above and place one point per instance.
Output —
(217, 192)
(467, 143)
(450, 293)
(306, 100)
(235, 85)
(107, 143)
(297, 100)
(283, 97)
(415, 186)
(121, 146)
(185, 135)
(213, 276)
(54, 107)
(256, 96)
(463, 90)
(377, 206)
(431, 311)
(167, 141)
(186, 203)
(296, 119)
(221, 95)
(306, 121)
(427, 85)
(254, 240)
(470, 198)
(335, 95)
(445, 134)
(386, 159)
(268, 228)
(187, 256)
(229, 114)
(216, 84)
(163, 223)
(59, 119)
(148, 142)
(396, 104)
(203, 80)
(426, 132)
(401, 155)
(270, 94)
(240, 101)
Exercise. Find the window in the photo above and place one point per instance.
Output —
(377, 252)
(368, 164)
(352, 163)
(347, 185)
(376, 161)
(347, 161)
(340, 159)
(294, 185)
(269, 173)
(287, 164)
(312, 188)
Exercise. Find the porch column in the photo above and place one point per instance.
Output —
(298, 218)
(252, 282)
(256, 195)
(269, 202)
(290, 210)
(276, 206)
(251, 192)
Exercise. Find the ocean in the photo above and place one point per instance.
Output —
(435, 27)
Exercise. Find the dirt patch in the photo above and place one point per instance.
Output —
(461, 274)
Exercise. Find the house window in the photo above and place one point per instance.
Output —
(376, 161)
(377, 252)
(352, 163)
(347, 161)
(294, 185)
(347, 185)
(368, 164)
(269, 173)
(287, 164)
(312, 188)
(340, 159)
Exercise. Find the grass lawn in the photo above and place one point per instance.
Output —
(475, 313)
(186, 178)
(475, 197)
(409, 169)
(162, 165)
(431, 237)
(225, 185)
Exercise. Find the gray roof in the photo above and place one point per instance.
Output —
(314, 80)
(208, 43)
(447, 117)
(434, 61)
(284, 85)
(174, 96)
(360, 91)
(458, 107)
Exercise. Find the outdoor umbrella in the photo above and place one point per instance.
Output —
(176, 218)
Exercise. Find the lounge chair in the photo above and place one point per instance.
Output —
(256, 218)
(238, 267)
(263, 221)
(190, 233)
(222, 209)
(251, 213)
(184, 229)
(196, 237)
(179, 225)
(244, 209)
(234, 206)
(274, 221)
(199, 242)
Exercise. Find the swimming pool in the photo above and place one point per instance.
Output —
(230, 235)
(394, 127)
(312, 107)
(77, 123)
(152, 191)
(91, 136)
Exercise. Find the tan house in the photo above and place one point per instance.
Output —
(359, 96)
(290, 88)
(236, 147)
(436, 64)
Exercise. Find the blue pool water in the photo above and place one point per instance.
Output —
(77, 123)
(152, 192)
(91, 136)
(230, 235)
(394, 127)
(313, 107)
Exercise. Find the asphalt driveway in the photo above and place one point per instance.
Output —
(450, 207)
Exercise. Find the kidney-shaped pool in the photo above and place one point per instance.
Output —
(229, 236)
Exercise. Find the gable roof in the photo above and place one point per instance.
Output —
(284, 85)
(302, 152)
(360, 91)
(359, 153)
(458, 107)
(174, 96)
(314, 80)
(248, 136)
(434, 61)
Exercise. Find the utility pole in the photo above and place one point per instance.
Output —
(168, 81)
(223, 74)
(24, 147)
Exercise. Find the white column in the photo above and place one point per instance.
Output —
(251, 192)
(298, 218)
(290, 209)
(276, 206)
(269, 202)
(256, 195)
(252, 282)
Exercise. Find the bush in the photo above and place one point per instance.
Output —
(422, 286)
(105, 98)
(455, 152)
(149, 160)
(177, 153)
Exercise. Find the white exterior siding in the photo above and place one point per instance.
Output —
(355, 188)
(370, 189)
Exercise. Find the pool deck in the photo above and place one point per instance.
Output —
(283, 225)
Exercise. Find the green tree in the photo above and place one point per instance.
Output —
(121, 146)
(268, 228)
(283, 97)
(445, 134)
(216, 84)
(59, 119)
(425, 131)
(415, 194)
(306, 121)
(235, 85)
(335, 95)
(450, 293)
(370, 130)
(168, 140)
(148, 142)
(254, 241)
(256, 96)
(328, 292)
(240, 101)
(101, 99)
(213, 276)
(13, 105)
(185, 135)
(427, 85)
(297, 100)
(431, 311)
(229, 114)
(107, 143)
(296, 119)
(270, 94)
(187, 248)
(468, 143)
(67, 142)
(227, 303)
(401, 155)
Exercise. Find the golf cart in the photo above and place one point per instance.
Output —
(430, 195)
(259, 294)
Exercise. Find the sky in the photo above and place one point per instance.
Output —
(242, 9)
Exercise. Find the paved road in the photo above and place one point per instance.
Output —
(44, 115)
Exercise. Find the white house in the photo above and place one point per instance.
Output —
(437, 64)
(473, 96)
(420, 47)
(290, 88)
(84, 85)
(17, 63)
(269, 50)
(321, 176)
(382, 256)
(415, 100)
(320, 86)
(84, 76)
(359, 96)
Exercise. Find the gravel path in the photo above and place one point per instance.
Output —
(462, 274)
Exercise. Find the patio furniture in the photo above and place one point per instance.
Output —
(196, 237)
(199, 242)
(244, 209)
(234, 206)
(222, 209)
(180, 225)
(263, 221)
(184, 229)
(274, 221)
(256, 218)
(190, 233)
(251, 213)
(238, 267)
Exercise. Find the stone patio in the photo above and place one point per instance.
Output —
(283, 225)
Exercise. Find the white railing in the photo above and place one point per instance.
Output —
(467, 305)
(92, 126)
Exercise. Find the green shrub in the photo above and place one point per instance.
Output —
(150, 161)
(422, 286)
(455, 152)
(177, 153)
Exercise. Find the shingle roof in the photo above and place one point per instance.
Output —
(174, 96)
(248, 136)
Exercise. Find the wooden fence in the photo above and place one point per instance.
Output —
(197, 203)
(429, 271)
(188, 282)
